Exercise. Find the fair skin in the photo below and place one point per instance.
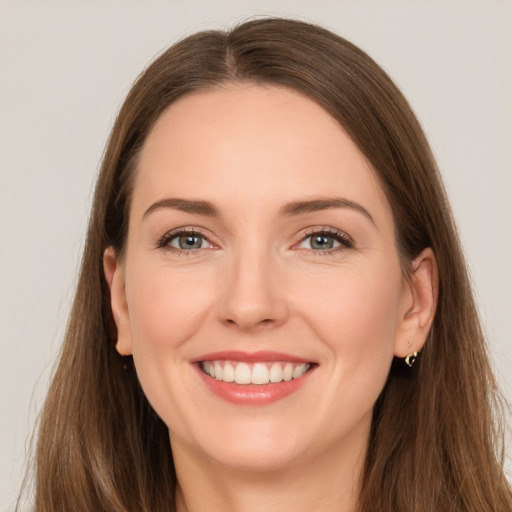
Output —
(258, 233)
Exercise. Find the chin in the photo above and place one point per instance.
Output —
(252, 447)
(257, 459)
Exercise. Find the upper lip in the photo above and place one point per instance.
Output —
(249, 357)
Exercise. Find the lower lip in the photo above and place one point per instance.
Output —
(252, 394)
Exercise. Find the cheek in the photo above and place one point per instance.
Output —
(166, 307)
(356, 316)
(354, 300)
(356, 321)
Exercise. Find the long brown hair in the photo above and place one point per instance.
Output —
(435, 444)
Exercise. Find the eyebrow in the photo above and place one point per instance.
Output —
(184, 205)
(315, 205)
(287, 210)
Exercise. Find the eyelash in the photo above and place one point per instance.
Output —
(339, 236)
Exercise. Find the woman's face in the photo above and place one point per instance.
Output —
(261, 248)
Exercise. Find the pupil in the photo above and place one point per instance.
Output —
(322, 242)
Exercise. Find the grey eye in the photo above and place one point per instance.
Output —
(322, 242)
(319, 242)
(188, 241)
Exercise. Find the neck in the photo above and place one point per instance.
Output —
(329, 482)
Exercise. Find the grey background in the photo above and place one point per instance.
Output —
(65, 67)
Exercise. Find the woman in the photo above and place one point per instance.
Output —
(273, 309)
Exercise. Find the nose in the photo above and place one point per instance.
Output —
(253, 297)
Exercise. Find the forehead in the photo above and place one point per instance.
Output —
(251, 143)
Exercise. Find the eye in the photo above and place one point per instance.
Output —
(320, 242)
(188, 241)
(325, 241)
(184, 241)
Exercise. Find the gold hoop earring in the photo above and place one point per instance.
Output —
(410, 359)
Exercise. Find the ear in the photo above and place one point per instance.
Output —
(114, 275)
(418, 307)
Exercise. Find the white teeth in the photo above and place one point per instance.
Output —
(228, 374)
(288, 372)
(257, 373)
(242, 374)
(276, 373)
(299, 371)
(218, 370)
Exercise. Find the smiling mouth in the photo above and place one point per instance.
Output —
(260, 373)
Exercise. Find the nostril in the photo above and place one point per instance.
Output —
(248, 325)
